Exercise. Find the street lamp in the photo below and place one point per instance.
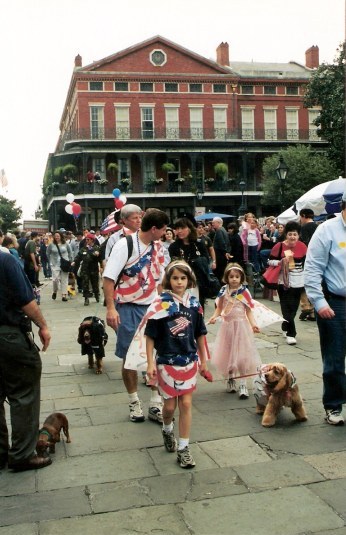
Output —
(281, 173)
(242, 207)
(199, 196)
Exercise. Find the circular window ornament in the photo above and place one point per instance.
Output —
(158, 58)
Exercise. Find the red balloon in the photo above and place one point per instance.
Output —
(118, 203)
(76, 208)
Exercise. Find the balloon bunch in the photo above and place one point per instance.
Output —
(119, 198)
(72, 208)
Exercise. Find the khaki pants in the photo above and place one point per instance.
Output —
(305, 304)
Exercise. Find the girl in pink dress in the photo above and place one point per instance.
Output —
(235, 353)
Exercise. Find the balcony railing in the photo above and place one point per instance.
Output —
(193, 134)
(170, 186)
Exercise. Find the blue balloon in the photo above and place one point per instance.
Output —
(116, 193)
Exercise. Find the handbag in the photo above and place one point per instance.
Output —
(271, 275)
(65, 265)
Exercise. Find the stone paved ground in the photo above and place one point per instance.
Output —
(116, 477)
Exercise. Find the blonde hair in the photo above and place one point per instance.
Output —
(182, 266)
(229, 268)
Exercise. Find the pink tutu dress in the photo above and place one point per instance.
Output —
(235, 352)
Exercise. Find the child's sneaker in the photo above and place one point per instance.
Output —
(243, 392)
(185, 459)
(136, 411)
(334, 417)
(231, 386)
(169, 441)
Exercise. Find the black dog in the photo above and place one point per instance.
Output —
(93, 337)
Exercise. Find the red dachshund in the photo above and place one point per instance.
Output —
(50, 432)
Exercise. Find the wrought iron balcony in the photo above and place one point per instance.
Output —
(186, 134)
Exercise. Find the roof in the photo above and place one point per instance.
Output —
(270, 70)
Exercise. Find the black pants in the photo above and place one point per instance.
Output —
(20, 375)
(221, 263)
(289, 303)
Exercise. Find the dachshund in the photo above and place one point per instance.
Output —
(93, 337)
(49, 434)
(274, 388)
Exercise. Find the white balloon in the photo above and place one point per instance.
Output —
(69, 209)
(123, 198)
(70, 198)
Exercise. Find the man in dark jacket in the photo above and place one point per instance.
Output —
(20, 367)
(308, 227)
(221, 246)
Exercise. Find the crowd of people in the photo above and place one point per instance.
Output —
(155, 303)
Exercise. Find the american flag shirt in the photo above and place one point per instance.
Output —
(175, 334)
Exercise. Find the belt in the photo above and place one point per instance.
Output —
(10, 328)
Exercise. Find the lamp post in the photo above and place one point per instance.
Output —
(281, 173)
(242, 207)
(198, 197)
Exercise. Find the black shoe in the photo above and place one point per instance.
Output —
(54, 295)
(97, 297)
(34, 463)
(86, 301)
(304, 315)
(64, 298)
(3, 461)
(311, 318)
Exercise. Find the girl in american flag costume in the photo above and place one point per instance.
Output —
(235, 353)
(176, 330)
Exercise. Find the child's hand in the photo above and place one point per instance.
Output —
(255, 329)
(204, 372)
(151, 372)
(211, 320)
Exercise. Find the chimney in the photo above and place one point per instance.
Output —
(222, 54)
(78, 61)
(312, 59)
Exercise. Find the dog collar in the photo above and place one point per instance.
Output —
(45, 432)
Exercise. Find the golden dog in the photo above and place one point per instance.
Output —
(275, 387)
(50, 432)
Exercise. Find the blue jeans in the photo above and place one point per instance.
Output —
(253, 257)
(333, 349)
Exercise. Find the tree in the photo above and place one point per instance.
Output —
(9, 214)
(306, 169)
(326, 88)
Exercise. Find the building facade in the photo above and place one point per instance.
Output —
(174, 130)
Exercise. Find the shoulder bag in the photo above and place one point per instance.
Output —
(65, 265)
(271, 275)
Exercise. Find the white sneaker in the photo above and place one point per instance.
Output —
(291, 340)
(334, 417)
(155, 412)
(231, 386)
(243, 392)
(136, 411)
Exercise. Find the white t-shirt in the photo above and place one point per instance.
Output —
(141, 288)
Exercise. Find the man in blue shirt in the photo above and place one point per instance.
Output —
(20, 367)
(325, 285)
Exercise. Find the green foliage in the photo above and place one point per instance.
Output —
(58, 174)
(168, 167)
(327, 89)
(9, 214)
(221, 170)
(70, 170)
(306, 169)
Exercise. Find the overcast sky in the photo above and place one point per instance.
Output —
(40, 39)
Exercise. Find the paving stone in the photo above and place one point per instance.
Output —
(301, 439)
(333, 493)
(210, 484)
(99, 468)
(93, 389)
(118, 496)
(331, 465)
(38, 506)
(158, 520)
(254, 514)
(19, 529)
(281, 473)
(62, 391)
(234, 451)
(12, 483)
(172, 488)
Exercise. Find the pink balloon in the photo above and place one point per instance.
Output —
(69, 209)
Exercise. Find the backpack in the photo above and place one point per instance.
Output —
(129, 240)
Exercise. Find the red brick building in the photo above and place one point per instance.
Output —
(158, 103)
